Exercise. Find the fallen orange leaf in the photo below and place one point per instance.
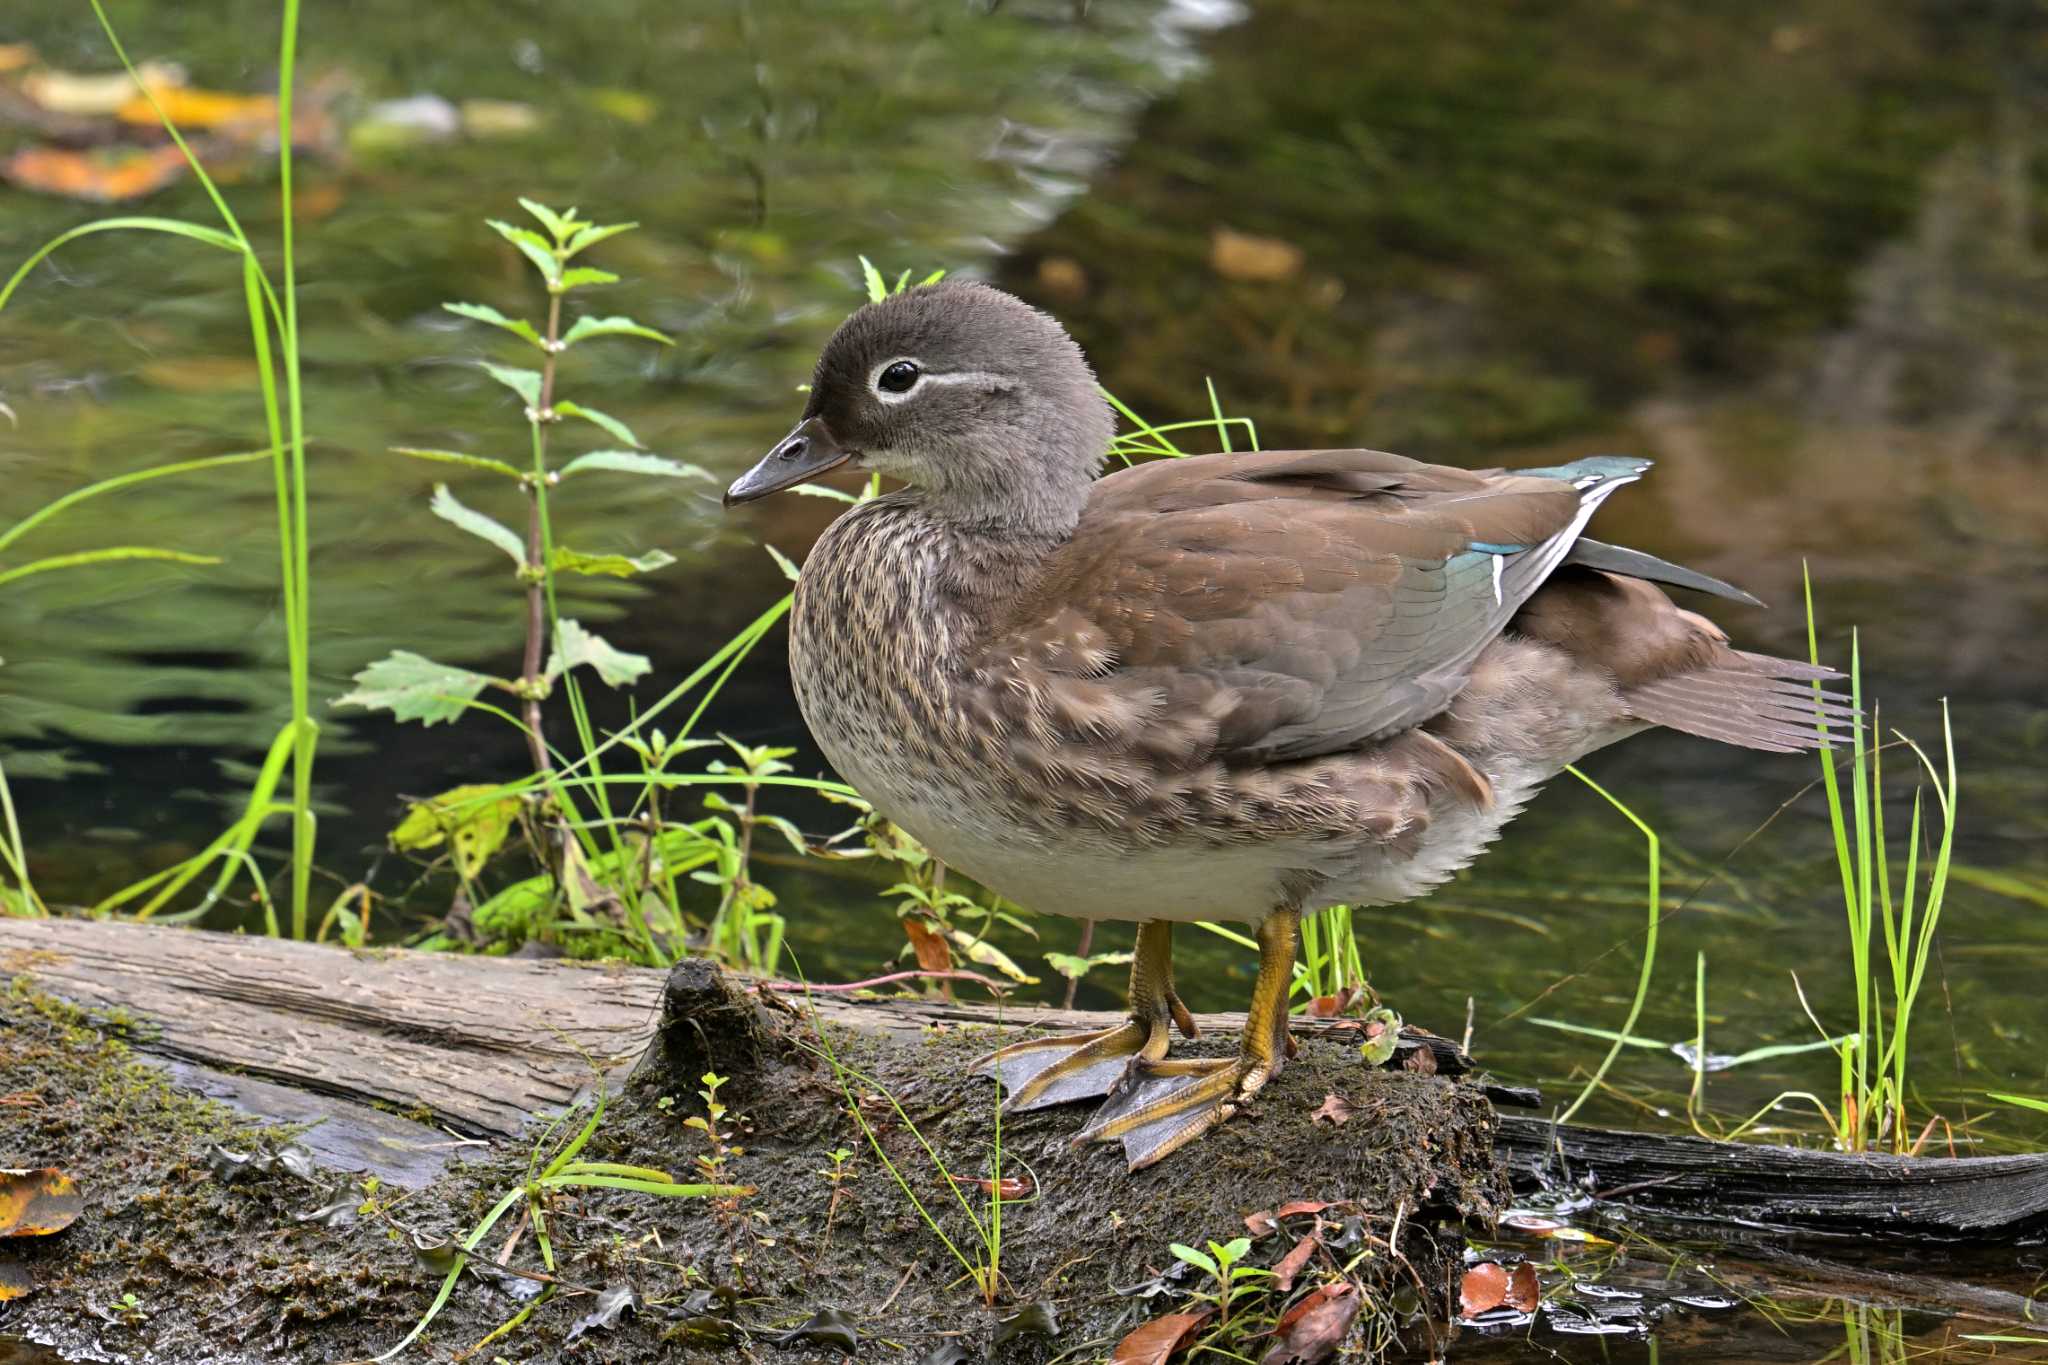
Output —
(14, 56)
(14, 1280)
(1484, 1288)
(103, 175)
(36, 1203)
(190, 108)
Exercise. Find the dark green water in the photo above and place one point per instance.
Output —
(1792, 252)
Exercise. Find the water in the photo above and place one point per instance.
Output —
(1792, 253)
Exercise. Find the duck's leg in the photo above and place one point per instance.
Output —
(1081, 1066)
(1162, 1106)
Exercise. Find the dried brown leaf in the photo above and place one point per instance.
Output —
(1290, 1265)
(1523, 1292)
(1335, 1111)
(1312, 1330)
(1157, 1340)
(1484, 1288)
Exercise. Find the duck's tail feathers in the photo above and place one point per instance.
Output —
(1754, 700)
(1596, 554)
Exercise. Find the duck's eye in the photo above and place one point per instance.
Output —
(900, 377)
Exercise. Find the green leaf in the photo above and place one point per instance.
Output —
(525, 383)
(585, 328)
(583, 275)
(457, 457)
(518, 327)
(819, 490)
(561, 224)
(413, 688)
(632, 462)
(611, 426)
(574, 645)
(590, 235)
(1195, 1258)
(476, 818)
(784, 562)
(446, 507)
(611, 566)
(104, 556)
(533, 246)
(2023, 1101)
(934, 277)
(878, 288)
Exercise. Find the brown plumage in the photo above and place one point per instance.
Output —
(1229, 686)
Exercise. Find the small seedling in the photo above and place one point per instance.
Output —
(711, 1164)
(1233, 1281)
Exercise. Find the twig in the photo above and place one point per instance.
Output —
(994, 987)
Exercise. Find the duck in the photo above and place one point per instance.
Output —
(1226, 687)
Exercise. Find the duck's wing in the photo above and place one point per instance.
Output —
(1282, 605)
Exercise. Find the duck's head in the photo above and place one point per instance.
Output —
(967, 394)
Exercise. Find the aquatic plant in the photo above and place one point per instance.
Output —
(1872, 1106)
(272, 307)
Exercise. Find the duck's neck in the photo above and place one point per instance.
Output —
(1034, 511)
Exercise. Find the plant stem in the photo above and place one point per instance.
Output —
(536, 553)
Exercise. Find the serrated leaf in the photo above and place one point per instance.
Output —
(610, 566)
(479, 312)
(611, 426)
(457, 457)
(574, 645)
(585, 328)
(878, 288)
(583, 275)
(783, 562)
(934, 277)
(413, 688)
(446, 506)
(632, 462)
(533, 246)
(525, 383)
(561, 224)
(591, 234)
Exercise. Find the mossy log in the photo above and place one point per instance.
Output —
(401, 1061)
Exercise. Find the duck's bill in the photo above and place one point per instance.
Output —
(804, 454)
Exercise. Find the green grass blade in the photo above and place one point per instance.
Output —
(1635, 1008)
(173, 226)
(105, 555)
(120, 481)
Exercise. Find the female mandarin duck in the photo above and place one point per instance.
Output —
(1237, 687)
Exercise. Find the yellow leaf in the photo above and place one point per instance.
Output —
(67, 92)
(478, 828)
(988, 955)
(208, 109)
(36, 1203)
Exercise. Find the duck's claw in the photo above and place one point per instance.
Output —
(1076, 1066)
(1160, 1107)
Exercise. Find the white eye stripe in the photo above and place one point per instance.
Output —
(983, 378)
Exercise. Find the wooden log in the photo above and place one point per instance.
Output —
(399, 1056)
(1743, 1188)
